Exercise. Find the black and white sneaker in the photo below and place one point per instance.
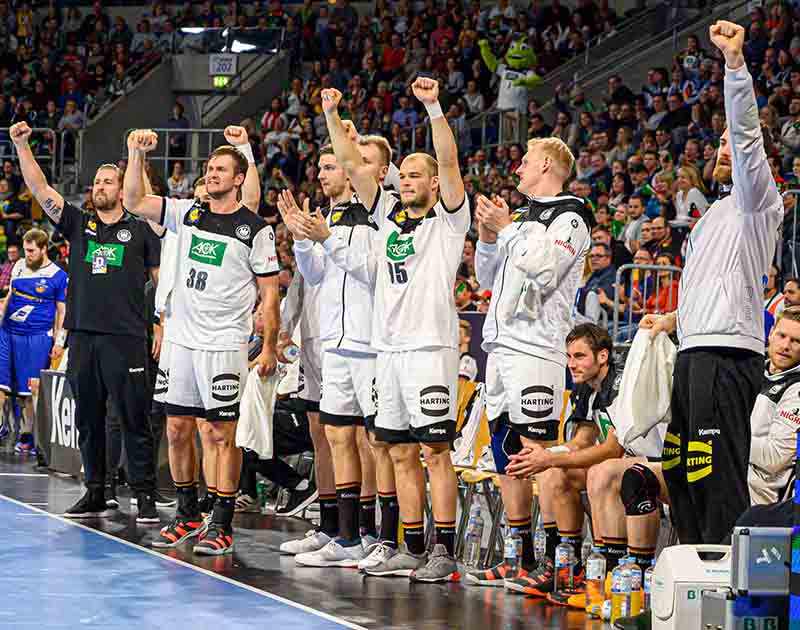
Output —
(90, 505)
(147, 509)
(161, 500)
(111, 497)
(298, 501)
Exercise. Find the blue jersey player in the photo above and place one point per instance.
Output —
(32, 317)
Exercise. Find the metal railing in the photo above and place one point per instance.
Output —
(49, 148)
(199, 144)
(791, 251)
(645, 282)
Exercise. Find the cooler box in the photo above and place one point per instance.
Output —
(681, 573)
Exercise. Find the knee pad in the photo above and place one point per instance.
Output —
(640, 490)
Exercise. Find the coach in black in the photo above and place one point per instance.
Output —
(110, 254)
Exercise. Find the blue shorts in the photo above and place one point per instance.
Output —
(22, 357)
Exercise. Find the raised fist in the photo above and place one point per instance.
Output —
(235, 135)
(729, 38)
(426, 90)
(20, 133)
(330, 99)
(143, 140)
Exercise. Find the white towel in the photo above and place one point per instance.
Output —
(254, 430)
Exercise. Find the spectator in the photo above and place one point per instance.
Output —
(690, 201)
(791, 291)
(633, 230)
(178, 183)
(177, 141)
(665, 298)
(602, 279)
(72, 118)
(12, 256)
(619, 253)
(406, 115)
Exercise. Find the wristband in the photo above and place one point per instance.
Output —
(247, 151)
(61, 338)
(434, 111)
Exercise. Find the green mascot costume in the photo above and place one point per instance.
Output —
(517, 73)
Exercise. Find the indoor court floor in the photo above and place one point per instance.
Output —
(103, 574)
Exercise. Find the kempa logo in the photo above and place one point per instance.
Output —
(435, 401)
(537, 401)
(703, 432)
(437, 431)
(225, 387)
(399, 248)
(112, 252)
(63, 430)
(207, 251)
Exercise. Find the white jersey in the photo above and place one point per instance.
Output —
(300, 309)
(533, 271)
(167, 270)
(219, 257)
(413, 265)
(345, 302)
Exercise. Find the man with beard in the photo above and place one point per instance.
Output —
(720, 319)
(35, 304)
(413, 263)
(225, 259)
(110, 253)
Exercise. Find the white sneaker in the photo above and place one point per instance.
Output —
(367, 542)
(379, 553)
(332, 555)
(313, 541)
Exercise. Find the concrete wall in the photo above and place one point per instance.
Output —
(149, 105)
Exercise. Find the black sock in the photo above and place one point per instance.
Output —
(210, 498)
(574, 538)
(366, 516)
(347, 499)
(414, 536)
(390, 517)
(523, 528)
(644, 556)
(551, 531)
(223, 509)
(616, 548)
(329, 515)
(446, 535)
(187, 499)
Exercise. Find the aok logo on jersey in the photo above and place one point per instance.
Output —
(113, 253)
(207, 251)
(537, 401)
(398, 248)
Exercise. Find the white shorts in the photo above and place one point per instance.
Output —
(526, 393)
(206, 383)
(348, 388)
(309, 382)
(417, 395)
(162, 375)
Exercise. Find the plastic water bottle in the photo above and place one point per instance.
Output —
(595, 578)
(539, 543)
(636, 586)
(620, 591)
(648, 585)
(564, 562)
(512, 552)
(586, 550)
(291, 352)
(474, 536)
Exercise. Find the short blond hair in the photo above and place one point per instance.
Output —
(382, 144)
(792, 313)
(557, 149)
(431, 165)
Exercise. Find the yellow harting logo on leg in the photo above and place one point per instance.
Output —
(671, 453)
(699, 457)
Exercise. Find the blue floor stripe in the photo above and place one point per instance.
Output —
(57, 575)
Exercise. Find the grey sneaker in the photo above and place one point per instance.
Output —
(402, 564)
(441, 567)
